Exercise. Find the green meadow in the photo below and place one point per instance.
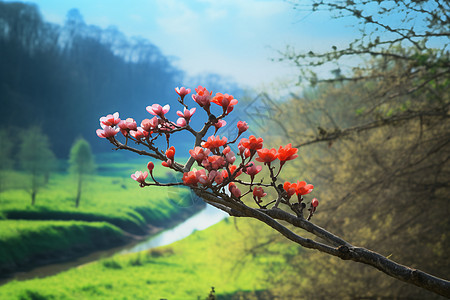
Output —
(112, 206)
(219, 257)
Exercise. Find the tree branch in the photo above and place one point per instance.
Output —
(343, 249)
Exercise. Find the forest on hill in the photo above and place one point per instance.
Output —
(64, 77)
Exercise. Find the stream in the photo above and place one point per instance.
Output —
(202, 220)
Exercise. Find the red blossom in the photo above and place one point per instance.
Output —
(303, 188)
(190, 178)
(199, 153)
(290, 188)
(267, 156)
(214, 142)
(242, 127)
(252, 143)
(213, 162)
(314, 202)
(150, 166)
(232, 170)
(170, 153)
(287, 153)
(226, 101)
(168, 163)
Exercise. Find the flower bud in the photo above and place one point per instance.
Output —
(150, 166)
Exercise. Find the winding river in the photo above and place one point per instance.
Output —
(202, 220)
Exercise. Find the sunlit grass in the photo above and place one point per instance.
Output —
(23, 239)
(103, 194)
(220, 256)
(109, 203)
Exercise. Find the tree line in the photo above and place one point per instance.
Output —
(62, 77)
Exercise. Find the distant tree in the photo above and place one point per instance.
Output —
(36, 159)
(81, 163)
(6, 162)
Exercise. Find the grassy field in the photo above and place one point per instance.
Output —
(220, 256)
(110, 194)
(111, 204)
(22, 241)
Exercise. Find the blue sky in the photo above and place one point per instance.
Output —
(235, 38)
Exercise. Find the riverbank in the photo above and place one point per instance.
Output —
(27, 244)
(113, 211)
(186, 269)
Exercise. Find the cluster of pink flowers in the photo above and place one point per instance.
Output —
(218, 165)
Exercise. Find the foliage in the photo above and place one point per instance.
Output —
(388, 191)
(385, 120)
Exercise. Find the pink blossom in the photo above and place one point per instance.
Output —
(139, 133)
(181, 122)
(252, 169)
(203, 97)
(168, 163)
(220, 124)
(139, 176)
(242, 126)
(226, 150)
(182, 92)
(148, 125)
(107, 132)
(158, 110)
(234, 190)
(110, 120)
(136, 134)
(229, 155)
(187, 113)
(258, 193)
(215, 176)
(192, 177)
(213, 162)
(199, 153)
(129, 124)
